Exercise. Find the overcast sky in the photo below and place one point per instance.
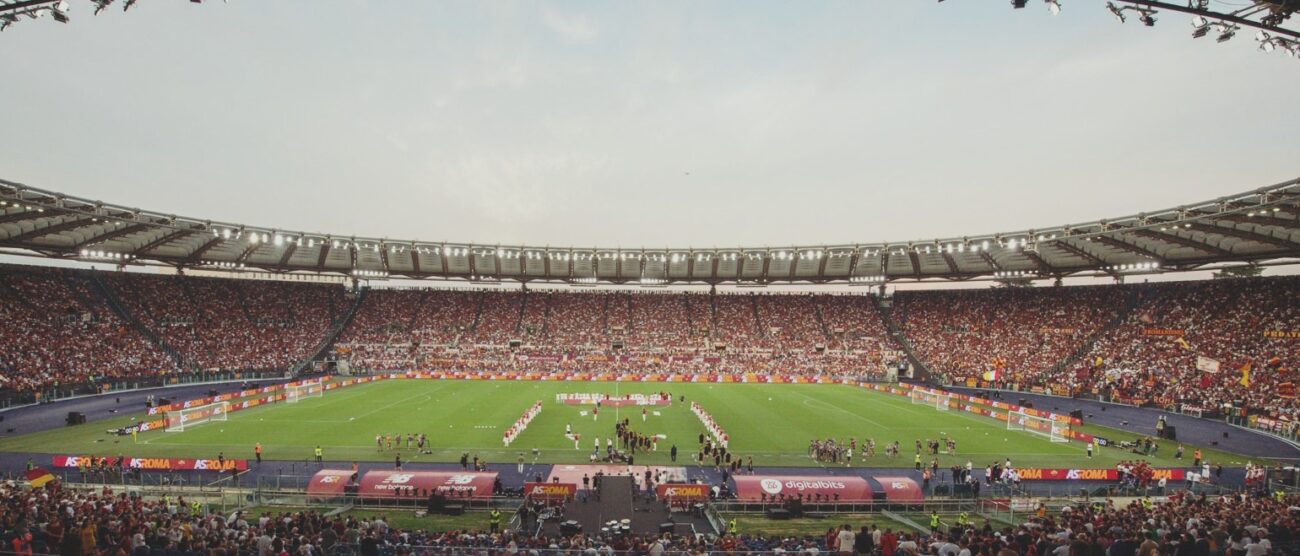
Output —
(641, 124)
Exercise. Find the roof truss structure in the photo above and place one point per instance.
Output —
(1261, 226)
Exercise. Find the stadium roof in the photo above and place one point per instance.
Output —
(1259, 227)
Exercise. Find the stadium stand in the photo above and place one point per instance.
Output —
(55, 521)
(577, 319)
(228, 324)
(852, 322)
(1138, 344)
(1151, 357)
(1013, 334)
(661, 319)
(56, 329)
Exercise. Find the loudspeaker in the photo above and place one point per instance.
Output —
(667, 527)
(1077, 414)
(454, 509)
(75, 418)
(570, 528)
(1171, 432)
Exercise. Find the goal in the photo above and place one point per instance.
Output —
(295, 392)
(178, 420)
(941, 401)
(1041, 426)
(919, 397)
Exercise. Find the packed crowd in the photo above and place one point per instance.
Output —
(1011, 334)
(1152, 356)
(659, 319)
(625, 333)
(225, 324)
(1148, 343)
(56, 329)
(72, 523)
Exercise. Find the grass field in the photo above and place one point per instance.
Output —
(773, 423)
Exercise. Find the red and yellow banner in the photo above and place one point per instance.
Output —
(154, 464)
(1106, 474)
(1163, 332)
(551, 492)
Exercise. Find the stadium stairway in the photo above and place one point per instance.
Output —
(116, 306)
(616, 499)
(887, 316)
(1130, 304)
(333, 334)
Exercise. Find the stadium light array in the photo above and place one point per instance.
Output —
(1265, 15)
(1269, 43)
(59, 10)
(1015, 274)
(1149, 266)
(1145, 15)
(102, 255)
(1226, 32)
(363, 273)
(874, 279)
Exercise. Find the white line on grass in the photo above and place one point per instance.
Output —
(390, 406)
(808, 398)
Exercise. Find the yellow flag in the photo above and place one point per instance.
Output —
(1245, 375)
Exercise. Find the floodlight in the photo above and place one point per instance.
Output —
(1228, 32)
(1115, 11)
(60, 11)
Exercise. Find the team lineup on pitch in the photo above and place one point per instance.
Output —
(771, 424)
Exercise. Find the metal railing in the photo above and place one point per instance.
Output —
(1291, 436)
(852, 506)
(10, 398)
(300, 499)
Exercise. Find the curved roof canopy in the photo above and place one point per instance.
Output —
(1258, 226)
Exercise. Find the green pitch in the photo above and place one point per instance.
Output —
(772, 423)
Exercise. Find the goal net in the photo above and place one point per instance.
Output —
(178, 420)
(919, 397)
(941, 401)
(295, 392)
(1041, 426)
